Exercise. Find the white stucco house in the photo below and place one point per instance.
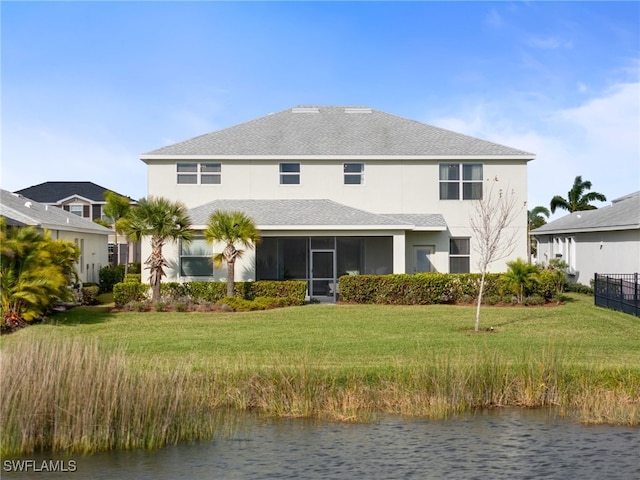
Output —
(334, 191)
(604, 241)
(91, 238)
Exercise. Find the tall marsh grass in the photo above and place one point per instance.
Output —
(70, 395)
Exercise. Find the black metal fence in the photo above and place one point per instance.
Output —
(618, 292)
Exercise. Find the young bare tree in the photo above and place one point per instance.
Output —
(491, 224)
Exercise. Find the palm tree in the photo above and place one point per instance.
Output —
(231, 228)
(35, 272)
(577, 200)
(163, 220)
(535, 218)
(117, 209)
(521, 275)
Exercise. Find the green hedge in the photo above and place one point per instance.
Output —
(89, 294)
(293, 291)
(109, 276)
(417, 289)
(124, 293)
(133, 278)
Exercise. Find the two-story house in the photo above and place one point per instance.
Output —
(334, 191)
(86, 200)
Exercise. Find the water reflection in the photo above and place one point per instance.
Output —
(500, 444)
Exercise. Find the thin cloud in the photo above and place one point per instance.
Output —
(548, 43)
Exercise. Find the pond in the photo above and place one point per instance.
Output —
(495, 444)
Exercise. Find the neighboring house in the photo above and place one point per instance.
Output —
(91, 238)
(86, 200)
(606, 240)
(337, 190)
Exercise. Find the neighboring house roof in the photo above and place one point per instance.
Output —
(19, 210)
(622, 214)
(54, 192)
(336, 131)
(302, 214)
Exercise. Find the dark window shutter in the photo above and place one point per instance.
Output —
(86, 211)
(97, 212)
(65, 207)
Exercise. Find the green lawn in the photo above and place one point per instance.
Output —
(358, 336)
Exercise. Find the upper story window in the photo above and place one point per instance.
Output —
(354, 173)
(289, 174)
(76, 210)
(460, 181)
(199, 173)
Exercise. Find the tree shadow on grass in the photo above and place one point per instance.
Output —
(80, 316)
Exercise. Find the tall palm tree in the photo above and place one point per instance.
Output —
(577, 200)
(163, 220)
(535, 218)
(231, 228)
(117, 209)
(35, 272)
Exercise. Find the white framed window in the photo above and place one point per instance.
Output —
(77, 209)
(289, 174)
(460, 181)
(353, 173)
(195, 258)
(459, 255)
(193, 173)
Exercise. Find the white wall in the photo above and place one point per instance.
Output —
(596, 252)
(390, 186)
(94, 252)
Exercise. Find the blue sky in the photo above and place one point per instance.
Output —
(89, 86)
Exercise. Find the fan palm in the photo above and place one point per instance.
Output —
(231, 228)
(117, 209)
(577, 200)
(520, 276)
(163, 220)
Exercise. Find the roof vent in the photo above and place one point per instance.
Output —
(358, 110)
(305, 110)
(28, 204)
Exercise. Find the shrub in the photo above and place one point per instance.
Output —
(533, 300)
(124, 293)
(89, 294)
(295, 289)
(135, 267)
(109, 276)
(237, 303)
(133, 278)
(417, 289)
(579, 288)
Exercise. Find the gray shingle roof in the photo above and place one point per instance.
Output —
(430, 221)
(19, 210)
(622, 214)
(335, 131)
(53, 192)
(308, 213)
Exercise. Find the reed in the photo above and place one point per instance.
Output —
(71, 395)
